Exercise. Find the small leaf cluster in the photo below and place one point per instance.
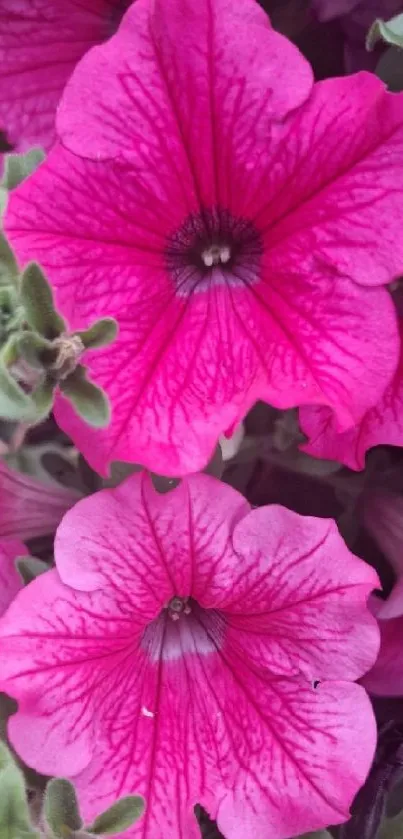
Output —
(61, 818)
(38, 354)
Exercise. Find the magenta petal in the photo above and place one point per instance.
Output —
(41, 41)
(10, 580)
(381, 425)
(29, 507)
(140, 672)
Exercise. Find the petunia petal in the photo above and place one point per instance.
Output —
(381, 425)
(41, 41)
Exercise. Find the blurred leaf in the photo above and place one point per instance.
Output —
(8, 264)
(14, 403)
(119, 817)
(14, 812)
(42, 398)
(61, 807)
(390, 31)
(319, 834)
(10, 351)
(89, 401)
(100, 334)
(29, 568)
(37, 300)
(17, 167)
(390, 69)
(392, 828)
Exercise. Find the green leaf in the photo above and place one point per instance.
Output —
(42, 399)
(100, 334)
(61, 807)
(89, 401)
(14, 403)
(390, 31)
(8, 263)
(17, 167)
(29, 568)
(119, 817)
(390, 69)
(37, 300)
(31, 348)
(14, 812)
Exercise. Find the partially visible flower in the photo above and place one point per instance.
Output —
(10, 580)
(225, 210)
(382, 424)
(357, 16)
(195, 650)
(382, 515)
(29, 507)
(41, 41)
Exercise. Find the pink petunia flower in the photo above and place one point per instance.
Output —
(194, 650)
(10, 580)
(41, 41)
(29, 507)
(382, 514)
(381, 425)
(225, 209)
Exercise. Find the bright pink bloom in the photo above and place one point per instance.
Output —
(381, 425)
(41, 41)
(226, 211)
(10, 580)
(382, 514)
(193, 650)
(29, 507)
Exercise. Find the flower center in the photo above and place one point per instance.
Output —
(183, 627)
(213, 247)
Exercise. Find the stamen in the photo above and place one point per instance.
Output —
(178, 606)
(216, 254)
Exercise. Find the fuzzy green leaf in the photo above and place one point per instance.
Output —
(42, 399)
(390, 31)
(88, 400)
(29, 568)
(32, 347)
(14, 812)
(119, 817)
(8, 264)
(61, 807)
(100, 334)
(15, 405)
(37, 300)
(17, 167)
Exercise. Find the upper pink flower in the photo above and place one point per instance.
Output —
(10, 580)
(29, 507)
(381, 425)
(41, 41)
(192, 650)
(225, 209)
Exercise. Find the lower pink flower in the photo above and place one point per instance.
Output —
(381, 425)
(10, 580)
(194, 650)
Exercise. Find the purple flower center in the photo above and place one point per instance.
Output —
(183, 627)
(213, 247)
